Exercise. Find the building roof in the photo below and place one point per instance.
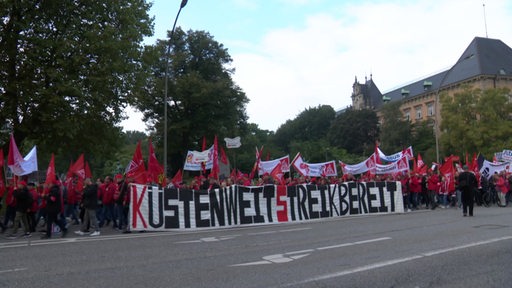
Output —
(483, 56)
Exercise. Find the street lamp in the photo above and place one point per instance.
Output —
(167, 56)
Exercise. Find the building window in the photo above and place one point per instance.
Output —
(418, 113)
(407, 115)
(431, 110)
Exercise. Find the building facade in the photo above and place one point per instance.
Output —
(486, 63)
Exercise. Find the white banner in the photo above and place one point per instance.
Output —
(360, 168)
(268, 166)
(399, 166)
(196, 159)
(27, 165)
(489, 168)
(314, 169)
(506, 155)
(233, 142)
(395, 157)
(156, 209)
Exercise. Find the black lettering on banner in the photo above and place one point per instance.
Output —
(312, 201)
(257, 218)
(244, 204)
(382, 189)
(324, 191)
(371, 197)
(174, 220)
(362, 198)
(231, 198)
(201, 207)
(302, 196)
(269, 193)
(333, 208)
(186, 197)
(353, 197)
(159, 212)
(344, 198)
(217, 207)
(292, 195)
(391, 188)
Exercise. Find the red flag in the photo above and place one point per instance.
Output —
(204, 144)
(14, 155)
(420, 166)
(2, 181)
(136, 169)
(223, 157)
(177, 179)
(257, 163)
(376, 154)
(278, 175)
(474, 164)
(155, 170)
(448, 172)
(78, 167)
(50, 172)
(215, 168)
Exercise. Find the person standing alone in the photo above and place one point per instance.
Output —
(90, 204)
(467, 184)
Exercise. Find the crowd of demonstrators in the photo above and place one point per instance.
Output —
(48, 206)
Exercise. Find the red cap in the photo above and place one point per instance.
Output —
(118, 176)
(22, 183)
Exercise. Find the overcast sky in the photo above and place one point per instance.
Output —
(290, 55)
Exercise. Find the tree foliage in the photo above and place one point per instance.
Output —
(395, 131)
(67, 70)
(310, 125)
(355, 131)
(203, 99)
(476, 121)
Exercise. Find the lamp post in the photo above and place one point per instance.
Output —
(166, 90)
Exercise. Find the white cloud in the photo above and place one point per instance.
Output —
(395, 42)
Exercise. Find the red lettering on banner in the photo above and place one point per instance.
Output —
(281, 205)
(137, 202)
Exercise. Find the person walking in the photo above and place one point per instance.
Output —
(53, 208)
(467, 185)
(23, 200)
(90, 204)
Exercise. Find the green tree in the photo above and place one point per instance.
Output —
(355, 131)
(310, 125)
(203, 99)
(68, 69)
(395, 131)
(476, 121)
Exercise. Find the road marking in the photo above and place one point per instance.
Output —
(295, 255)
(398, 260)
(279, 231)
(13, 270)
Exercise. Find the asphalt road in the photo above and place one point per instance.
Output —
(424, 248)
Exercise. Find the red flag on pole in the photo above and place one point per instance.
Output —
(223, 157)
(448, 172)
(376, 154)
(136, 169)
(278, 175)
(2, 181)
(204, 144)
(257, 163)
(215, 168)
(177, 179)
(155, 170)
(50, 172)
(78, 169)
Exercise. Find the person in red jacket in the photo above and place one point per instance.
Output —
(415, 189)
(432, 186)
(107, 199)
(71, 201)
(10, 209)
